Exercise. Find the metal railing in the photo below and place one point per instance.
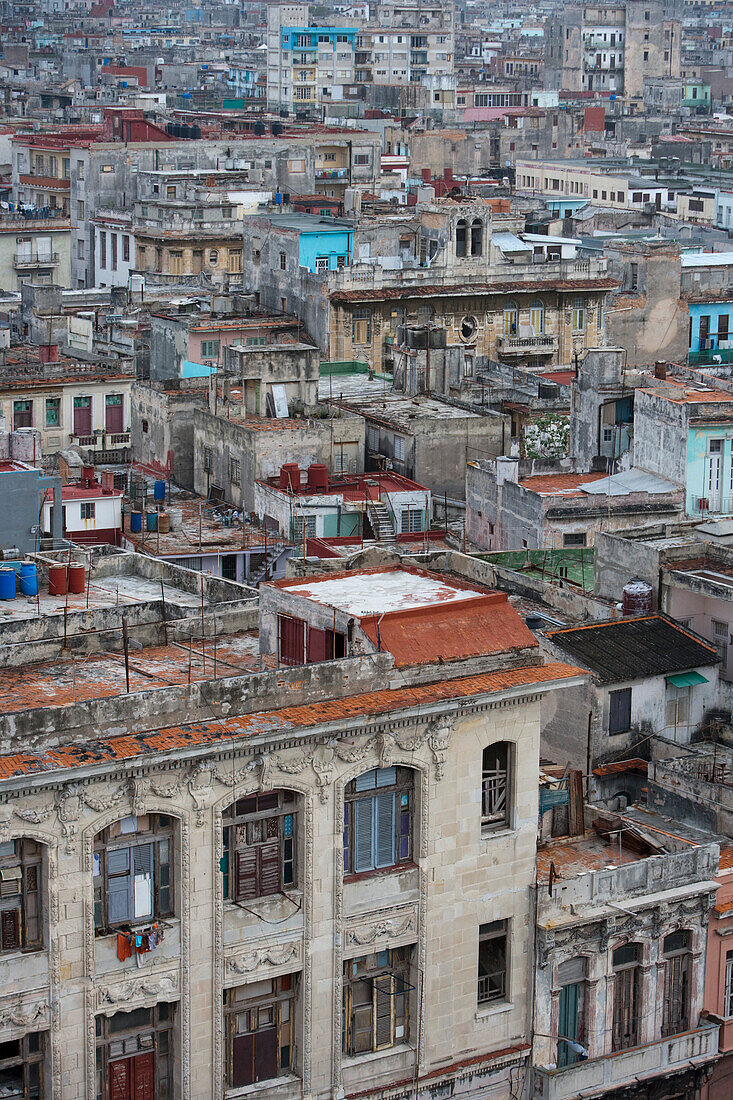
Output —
(491, 987)
(712, 506)
(546, 342)
(37, 259)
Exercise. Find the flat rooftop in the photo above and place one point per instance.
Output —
(373, 592)
(400, 410)
(357, 487)
(572, 856)
(61, 681)
(199, 531)
(681, 393)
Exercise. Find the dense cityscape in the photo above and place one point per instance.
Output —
(366, 550)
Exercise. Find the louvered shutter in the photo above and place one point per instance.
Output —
(269, 867)
(10, 929)
(265, 1054)
(245, 874)
(363, 813)
(317, 646)
(119, 886)
(383, 1011)
(142, 869)
(243, 1060)
(385, 828)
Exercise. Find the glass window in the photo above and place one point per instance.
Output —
(20, 895)
(53, 412)
(492, 962)
(579, 315)
(495, 794)
(260, 856)
(133, 872)
(378, 820)
(627, 1002)
(22, 1063)
(377, 1001)
(260, 1021)
(677, 967)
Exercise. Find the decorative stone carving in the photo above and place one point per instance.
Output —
(166, 790)
(18, 1016)
(68, 806)
(277, 955)
(322, 763)
(439, 734)
(35, 817)
(142, 991)
(200, 788)
(385, 929)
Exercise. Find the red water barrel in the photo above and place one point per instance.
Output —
(57, 580)
(77, 579)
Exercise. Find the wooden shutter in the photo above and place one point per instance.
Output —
(245, 874)
(142, 870)
(243, 1072)
(10, 929)
(144, 1076)
(120, 1080)
(383, 990)
(318, 648)
(269, 867)
(363, 832)
(292, 640)
(384, 828)
(119, 886)
(265, 1054)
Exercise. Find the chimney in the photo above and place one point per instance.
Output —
(108, 481)
(660, 370)
(448, 175)
(425, 173)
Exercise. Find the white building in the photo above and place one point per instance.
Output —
(114, 248)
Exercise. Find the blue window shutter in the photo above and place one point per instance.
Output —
(384, 804)
(119, 892)
(363, 856)
(142, 865)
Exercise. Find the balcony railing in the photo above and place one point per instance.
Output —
(38, 259)
(85, 440)
(117, 439)
(527, 345)
(710, 357)
(626, 1067)
(712, 506)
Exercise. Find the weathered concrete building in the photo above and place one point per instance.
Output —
(139, 944)
(508, 511)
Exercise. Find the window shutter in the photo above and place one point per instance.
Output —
(269, 870)
(265, 1054)
(142, 869)
(363, 858)
(10, 929)
(120, 1080)
(383, 989)
(625, 709)
(317, 646)
(144, 1074)
(385, 828)
(119, 907)
(245, 874)
(243, 1060)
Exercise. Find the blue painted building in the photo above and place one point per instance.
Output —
(325, 249)
(710, 323)
(308, 38)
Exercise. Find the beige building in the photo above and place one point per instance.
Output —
(608, 184)
(34, 250)
(343, 885)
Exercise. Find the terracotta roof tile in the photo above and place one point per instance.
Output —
(246, 726)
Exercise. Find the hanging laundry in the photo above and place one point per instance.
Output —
(124, 950)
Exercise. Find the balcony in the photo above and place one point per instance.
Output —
(85, 440)
(332, 173)
(23, 261)
(626, 1068)
(45, 183)
(711, 506)
(527, 345)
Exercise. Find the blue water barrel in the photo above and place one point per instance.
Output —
(7, 584)
(28, 578)
(159, 491)
(152, 521)
(136, 523)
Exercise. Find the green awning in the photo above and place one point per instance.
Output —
(685, 679)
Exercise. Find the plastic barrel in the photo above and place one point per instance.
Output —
(7, 584)
(164, 523)
(136, 523)
(28, 578)
(77, 579)
(57, 580)
(159, 491)
(152, 521)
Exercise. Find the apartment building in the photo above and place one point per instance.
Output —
(289, 898)
(34, 249)
(613, 48)
(610, 184)
(307, 65)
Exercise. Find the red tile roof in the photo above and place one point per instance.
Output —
(247, 726)
(567, 484)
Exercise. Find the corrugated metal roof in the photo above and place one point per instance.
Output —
(629, 481)
(508, 242)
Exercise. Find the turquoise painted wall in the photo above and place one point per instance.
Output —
(325, 242)
(698, 464)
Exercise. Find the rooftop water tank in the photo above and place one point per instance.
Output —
(637, 596)
(318, 477)
(290, 476)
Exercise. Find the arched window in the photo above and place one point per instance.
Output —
(511, 319)
(378, 820)
(133, 872)
(537, 317)
(260, 838)
(627, 996)
(461, 237)
(21, 867)
(495, 786)
(677, 965)
(477, 237)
